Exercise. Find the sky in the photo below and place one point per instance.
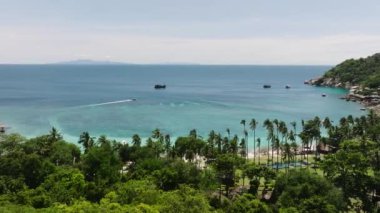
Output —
(278, 32)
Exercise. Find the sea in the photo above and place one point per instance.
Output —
(120, 100)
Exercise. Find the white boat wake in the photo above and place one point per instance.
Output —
(110, 103)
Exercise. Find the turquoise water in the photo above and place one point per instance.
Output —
(98, 98)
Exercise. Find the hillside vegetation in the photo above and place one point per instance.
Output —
(194, 174)
(363, 71)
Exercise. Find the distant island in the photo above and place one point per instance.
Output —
(90, 62)
(95, 62)
(360, 76)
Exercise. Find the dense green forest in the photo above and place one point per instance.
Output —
(363, 71)
(199, 174)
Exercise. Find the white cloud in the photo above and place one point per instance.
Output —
(41, 45)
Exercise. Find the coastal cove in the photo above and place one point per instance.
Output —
(360, 76)
(119, 100)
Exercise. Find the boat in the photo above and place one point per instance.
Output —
(267, 86)
(362, 109)
(323, 95)
(160, 86)
(287, 86)
(306, 82)
(2, 128)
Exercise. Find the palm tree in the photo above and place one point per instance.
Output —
(158, 145)
(371, 120)
(270, 136)
(102, 140)
(210, 147)
(327, 123)
(218, 141)
(372, 117)
(242, 148)
(287, 153)
(350, 119)
(317, 134)
(304, 136)
(226, 145)
(136, 140)
(228, 132)
(292, 138)
(156, 134)
(277, 141)
(284, 131)
(54, 135)
(193, 133)
(294, 125)
(302, 141)
(364, 123)
(86, 141)
(253, 125)
(358, 128)
(309, 133)
(246, 142)
(258, 146)
(167, 145)
(242, 122)
(344, 126)
(234, 145)
(294, 147)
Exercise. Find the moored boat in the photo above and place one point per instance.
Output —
(267, 86)
(287, 86)
(160, 86)
(2, 128)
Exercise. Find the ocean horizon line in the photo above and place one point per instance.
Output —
(159, 64)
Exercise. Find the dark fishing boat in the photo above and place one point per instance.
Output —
(3, 128)
(267, 86)
(160, 86)
(287, 86)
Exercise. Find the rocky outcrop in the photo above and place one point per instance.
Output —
(330, 82)
(370, 98)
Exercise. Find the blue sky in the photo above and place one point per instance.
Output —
(196, 31)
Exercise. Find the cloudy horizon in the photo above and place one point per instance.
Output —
(201, 32)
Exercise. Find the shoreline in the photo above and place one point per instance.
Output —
(368, 98)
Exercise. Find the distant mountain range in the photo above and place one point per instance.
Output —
(94, 62)
(90, 62)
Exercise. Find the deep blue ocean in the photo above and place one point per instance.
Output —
(98, 98)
